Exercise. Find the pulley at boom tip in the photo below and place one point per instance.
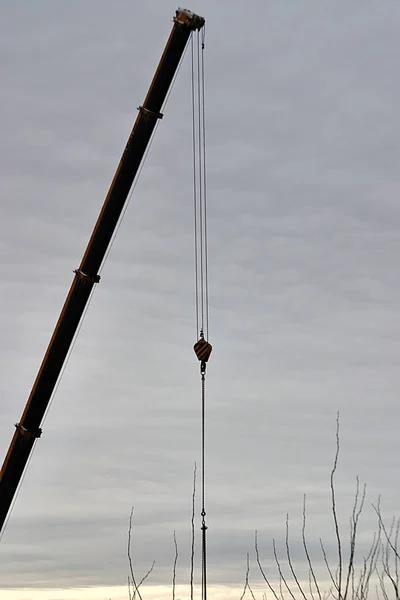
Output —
(183, 16)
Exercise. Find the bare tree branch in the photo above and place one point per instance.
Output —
(133, 587)
(146, 575)
(261, 568)
(133, 580)
(310, 585)
(386, 550)
(303, 535)
(283, 579)
(334, 512)
(357, 510)
(387, 570)
(369, 565)
(280, 587)
(382, 585)
(246, 583)
(174, 568)
(392, 546)
(396, 554)
(290, 559)
(335, 585)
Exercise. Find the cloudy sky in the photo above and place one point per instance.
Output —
(303, 185)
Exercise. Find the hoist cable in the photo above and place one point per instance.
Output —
(201, 181)
(202, 347)
(203, 501)
(203, 114)
(203, 462)
(204, 185)
(194, 147)
(200, 184)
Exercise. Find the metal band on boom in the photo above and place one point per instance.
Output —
(28, 434)
(89, 278)
(149, 113)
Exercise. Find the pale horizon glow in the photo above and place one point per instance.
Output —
(148, 592)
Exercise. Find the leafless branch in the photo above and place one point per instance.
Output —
(146, 575)
(369, 566)
(338, 585)
(133, 587)
(382, 585)
(356, 513)
(281, 575)
(132, 576)
(303, 535)
(396, 554)
(174, 568)
(310, 585)
(261, 568)
(246, 583)
(386, 550)
(387, 536)
(129, 588)
(328, 594)
(290, 559)
(387, 569)
(327, 565)
(280, 587)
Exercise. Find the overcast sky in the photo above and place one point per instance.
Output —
(303, 186)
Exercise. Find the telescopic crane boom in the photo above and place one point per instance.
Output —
(29, 427)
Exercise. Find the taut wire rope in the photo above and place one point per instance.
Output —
(202, 347)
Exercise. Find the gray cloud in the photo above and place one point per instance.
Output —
(302, 102)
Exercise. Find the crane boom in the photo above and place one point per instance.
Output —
(29, 427)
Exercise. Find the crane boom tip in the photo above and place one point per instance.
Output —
(183, 16)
